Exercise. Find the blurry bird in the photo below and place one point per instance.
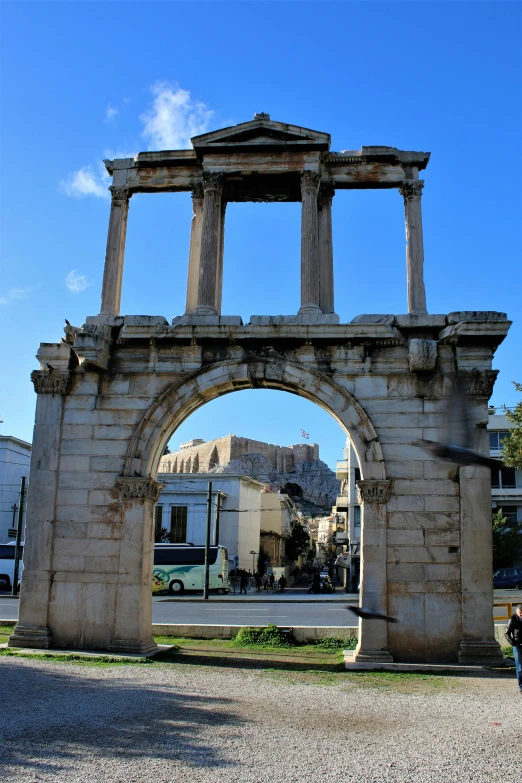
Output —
(459, 436)
(372, 610)
(67, 322)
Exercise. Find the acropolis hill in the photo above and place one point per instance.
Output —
(199, 456)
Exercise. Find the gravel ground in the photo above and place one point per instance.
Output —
(170, 723)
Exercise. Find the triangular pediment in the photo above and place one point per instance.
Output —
(264, 132)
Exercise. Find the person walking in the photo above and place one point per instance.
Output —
(282, 582)
(272, 580)
(242, 584)
(257, 580)
(264, 581)
(514, 637)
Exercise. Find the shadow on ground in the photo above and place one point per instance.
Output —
(58, 718)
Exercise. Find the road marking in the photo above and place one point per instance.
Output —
(209, 609)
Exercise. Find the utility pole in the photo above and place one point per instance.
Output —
(14, 587)
(207, 541)
(218, 513)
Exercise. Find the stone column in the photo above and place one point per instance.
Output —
(210, 245)
(310, 274)
(478, 645)
(195, 247)
(133, 624)
(219, 276)
(411, 190)
(373, 634)
(113, 272)
(326, 194)
(32, 628)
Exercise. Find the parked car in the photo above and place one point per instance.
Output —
(7, 558)
(508, 577)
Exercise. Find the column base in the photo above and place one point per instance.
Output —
(482, 652)
(312, 317)
(373, 656)
(39, 638)
(133, 646)
(204, 310)
(193, 319)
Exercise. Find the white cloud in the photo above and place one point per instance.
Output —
(173, 118)
(87, 182)
(75, 282)
(14, 295)
(110, 113)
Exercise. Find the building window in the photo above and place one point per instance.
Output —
(503, 478)
(510, 512)
(357, 516)
(178, 524)
(158, 523)
(496, 438)
(357, 474)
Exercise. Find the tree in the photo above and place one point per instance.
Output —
(507, 541)
(512, 445)
(298, 542)
(262, 557)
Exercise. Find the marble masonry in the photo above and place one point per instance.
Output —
(111, 393)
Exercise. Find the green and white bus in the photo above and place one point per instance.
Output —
(180, 567)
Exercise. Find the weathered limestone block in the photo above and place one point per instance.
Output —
(92, 346)
(422, 355)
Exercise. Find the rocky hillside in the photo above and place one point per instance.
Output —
(312, 485)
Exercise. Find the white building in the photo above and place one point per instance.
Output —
(15, 457)
(348, 507)
(181, 512)
(506, 483)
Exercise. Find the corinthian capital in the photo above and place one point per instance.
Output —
(120, 193)
(51, 382)
(212, 180)
(376, 491)
(137, 488)
(197, 189)
(310, 179)
(326, 191)
(411, 189)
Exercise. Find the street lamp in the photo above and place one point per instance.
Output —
(253, 560)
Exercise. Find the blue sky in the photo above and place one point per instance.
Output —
(86, 81)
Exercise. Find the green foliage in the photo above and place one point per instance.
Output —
(335, 643)
(512, 445)
(507, 541)
(271, 636)
(298, 542)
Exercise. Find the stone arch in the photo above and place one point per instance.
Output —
(195, 464)
(182, 466)
(185, 396)
(188, 465)
(175, 466)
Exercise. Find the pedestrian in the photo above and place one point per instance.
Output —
(272, 580)
(264, 581)
(242, 584)
(282, 582)
(257, 580)
(514, 637)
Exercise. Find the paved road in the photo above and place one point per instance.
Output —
(252, 609)
(233, 613)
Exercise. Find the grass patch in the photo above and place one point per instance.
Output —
(271, 636)
(77, 658)
(5, 633)
(507, 651)
(335, 643)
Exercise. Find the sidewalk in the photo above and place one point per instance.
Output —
(290, 595)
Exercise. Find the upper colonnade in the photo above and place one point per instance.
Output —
(264, 160)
